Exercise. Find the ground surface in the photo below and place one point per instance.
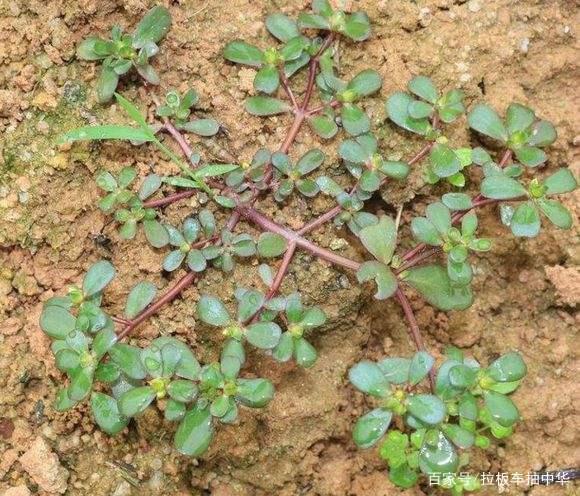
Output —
(527, 291)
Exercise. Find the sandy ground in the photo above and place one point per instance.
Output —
(527, 291)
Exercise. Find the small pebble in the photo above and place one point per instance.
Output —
(474, 5)
(524, 45)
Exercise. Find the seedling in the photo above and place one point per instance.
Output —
(467, 404)
(125, 51)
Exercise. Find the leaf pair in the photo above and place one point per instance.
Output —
(292, 342)
(521, 131)
(524, 220)
(262, 334)
(293, 174)
(413, 115)
(369, 167)
(355, 26)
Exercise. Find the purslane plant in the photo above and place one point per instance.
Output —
(125, 51)
(466, 402)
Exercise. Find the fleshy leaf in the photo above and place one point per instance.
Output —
(371, 427)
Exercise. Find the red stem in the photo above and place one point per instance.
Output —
(267, 224)
(414, 330)
(186, 281)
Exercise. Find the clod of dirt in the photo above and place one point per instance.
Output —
(566, 280)
(17, 491)
(44, 467)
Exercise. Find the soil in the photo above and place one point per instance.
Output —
(51, 231)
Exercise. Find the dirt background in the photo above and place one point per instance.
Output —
(527, 290)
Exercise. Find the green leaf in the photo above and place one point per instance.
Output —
(352, 151)
(403, 476)
(437, 455)
(255, 393)
(214, 170)
(310, 161)
(106, 132)
(457, 201)
(459, 436)
(365, 83)
(427, 408)
(451, 106)
(561, 181)
(267, 79)
(202, 127)
(88, 49)
(420, 366)
(501, 187)
(485, 120)
(282, 27)
(380, 239)
(395, 370)
(173, 260)
(56, 321)
(149, 186)
(174, 410)
(398, 110)
(106, 86)
(285, 348)
(439, 215)
(531, 156)
(243, 53)
(97, 278)
(153, 27)
(106, 413)
(155, 233)
(264, 106)
(444, 162)
(525, 221)
(106, 181)
(196, 261)
(543, 134)
(212, 311)
(393, 450)
(357, 26)
(67, 359)
(383, 276)
(103, 341)
(195, 432)
(264, 335)
(420, 110)
(81, 383)
(501, 408)
(354, 120)
(324, 126)
(304, 353)
(424, 88)
(518, 118)
(271, 244)
(232, 358)
(434, 285)
(507, 368)
(371, 427)
(139, 298)
(136, 401)
(557, 213)
(182, 390)
(312, 21)
(424, 231)
(367, 377)
(396, 170)
(128, 359)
